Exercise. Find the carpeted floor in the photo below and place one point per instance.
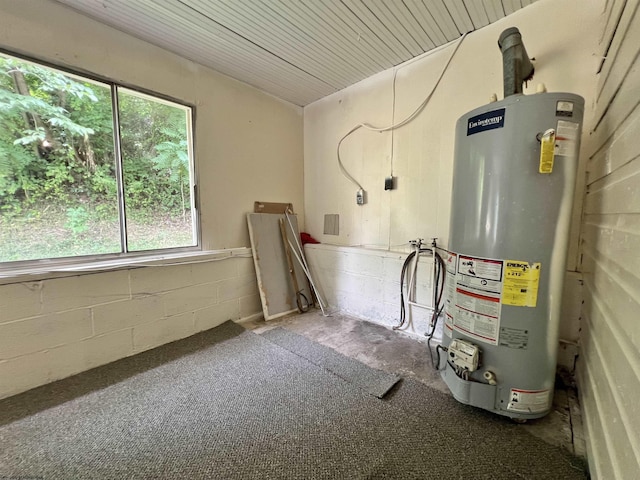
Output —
(231, 404)
(372, 381)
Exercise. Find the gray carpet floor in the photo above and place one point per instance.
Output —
(230, 404)
(374, 382)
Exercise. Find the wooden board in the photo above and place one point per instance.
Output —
(274, 281)
(269, 207)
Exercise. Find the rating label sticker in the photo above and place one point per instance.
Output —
(514, 338)
(521, 281)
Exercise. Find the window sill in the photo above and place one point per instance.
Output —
(50, 269)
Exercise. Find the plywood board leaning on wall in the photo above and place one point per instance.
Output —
(274, 281)
(270, 207)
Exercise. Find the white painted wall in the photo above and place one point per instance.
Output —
(563, 37)
(423, 150)
(248, 146)
(365, 283)
(609, 364)
(54, 328)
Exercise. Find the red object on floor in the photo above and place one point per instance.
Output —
(306, 238)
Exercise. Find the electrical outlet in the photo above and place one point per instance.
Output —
(361, 197)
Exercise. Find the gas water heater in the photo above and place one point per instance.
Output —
(514, 175)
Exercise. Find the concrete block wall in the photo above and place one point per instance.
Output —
(365, 283)
(54, 328)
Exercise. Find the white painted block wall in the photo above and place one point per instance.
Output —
(51, 329)
(248, 147)
(365, 283)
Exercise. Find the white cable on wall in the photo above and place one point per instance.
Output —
(401, 123)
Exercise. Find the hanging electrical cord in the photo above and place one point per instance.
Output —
(401, 123)
(341, 165)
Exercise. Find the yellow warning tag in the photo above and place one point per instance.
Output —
(520, 286)
(547, 151)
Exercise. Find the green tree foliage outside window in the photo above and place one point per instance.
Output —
(58, 170)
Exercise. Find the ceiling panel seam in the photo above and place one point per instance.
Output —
(511, 6)
(494, 9)
(443, 17)
(378, 45)
(311, 60)
(361, 46)
(414, 27)
(297, 50)
(321, 50)
(400, 31)
(408, 43)
(126, 19)
(257, 57)
(345, 51)
(399, 50)
(435, 33)
(230, 64)
(258, 46)
(477, 13)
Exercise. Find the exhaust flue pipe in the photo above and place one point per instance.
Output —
(516, 66)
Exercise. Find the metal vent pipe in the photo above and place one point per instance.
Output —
(516, 66)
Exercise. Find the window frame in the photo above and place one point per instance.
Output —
(109, 260)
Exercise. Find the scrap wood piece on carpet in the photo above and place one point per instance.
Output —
(372, 381)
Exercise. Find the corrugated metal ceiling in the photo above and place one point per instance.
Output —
(297, 50)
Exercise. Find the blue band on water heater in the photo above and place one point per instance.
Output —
(486, 121)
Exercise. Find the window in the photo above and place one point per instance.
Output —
(89, 167)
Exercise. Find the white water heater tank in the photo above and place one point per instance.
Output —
(514, 178)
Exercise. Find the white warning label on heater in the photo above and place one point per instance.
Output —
(529, 401)
(450, 291)
(567, 138)
(450, 281)
(448, 325)
(476, 306)
(480, 268)
(477, 315)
